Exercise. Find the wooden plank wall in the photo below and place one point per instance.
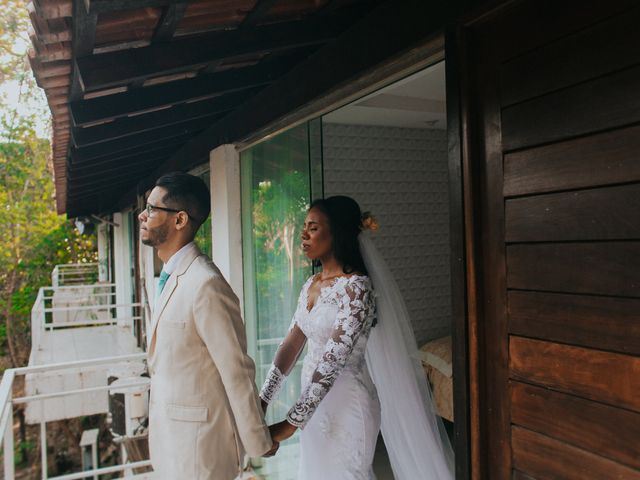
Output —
(571, 145)
(568, 99)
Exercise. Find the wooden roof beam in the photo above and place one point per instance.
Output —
(126, 126)
(171, 143)
(84, 39)
(119, 145)
(124, 67)
(171, 17)
(96, 199)
(385, 32)
(142, 156)
(102, 6)
(142, 99)
(51, 9)
(258, 13)
(97, 176)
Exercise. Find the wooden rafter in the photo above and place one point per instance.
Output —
(258, 13)
(136, 101)
(383, 33)
(150, 152)
(169, 21)
(102, 6)
(123, 67)
(144, 138)
(83, 158)
(126, 126)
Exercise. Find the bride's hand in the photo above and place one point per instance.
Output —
(282, 431)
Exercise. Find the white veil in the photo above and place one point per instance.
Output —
(414, 435)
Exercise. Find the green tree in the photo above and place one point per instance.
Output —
(34, 238)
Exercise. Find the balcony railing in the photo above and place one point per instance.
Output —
(74, 274)
(74, 306)
(80, 336)
(7, 403)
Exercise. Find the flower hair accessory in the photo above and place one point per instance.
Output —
(369, 222)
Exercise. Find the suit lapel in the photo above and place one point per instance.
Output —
(169, 288)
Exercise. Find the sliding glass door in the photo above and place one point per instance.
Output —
(279, 178)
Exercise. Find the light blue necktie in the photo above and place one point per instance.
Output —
(161, 283)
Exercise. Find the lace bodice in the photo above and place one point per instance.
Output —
(336, 329)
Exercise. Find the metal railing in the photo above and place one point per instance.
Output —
(7, 402)
(74, 306)
(74, 274)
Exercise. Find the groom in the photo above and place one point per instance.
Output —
(204, 409)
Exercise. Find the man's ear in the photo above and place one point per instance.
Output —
(182, 220)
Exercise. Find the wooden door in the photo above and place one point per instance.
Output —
(551, 110)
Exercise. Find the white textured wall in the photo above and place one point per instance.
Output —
(400, 175)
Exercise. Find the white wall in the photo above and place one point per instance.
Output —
(400, 175)
(123, 272)
(226, 220)
(102, 235)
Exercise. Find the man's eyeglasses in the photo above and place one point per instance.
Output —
(151, 208)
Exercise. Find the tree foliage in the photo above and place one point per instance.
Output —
(34, 238)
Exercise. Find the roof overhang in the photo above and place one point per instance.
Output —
(141, 87)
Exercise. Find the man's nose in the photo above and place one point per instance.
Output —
(142, 215)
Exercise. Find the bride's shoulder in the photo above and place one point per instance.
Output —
(360, 279)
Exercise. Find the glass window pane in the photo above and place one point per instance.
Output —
(276, 188)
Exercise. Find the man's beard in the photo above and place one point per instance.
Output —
(156, 236)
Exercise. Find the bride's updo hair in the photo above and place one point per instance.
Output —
(346, 223)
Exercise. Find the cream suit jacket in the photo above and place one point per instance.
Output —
(204, 409)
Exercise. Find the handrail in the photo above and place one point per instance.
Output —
(103, 470)
(65, 265)
(88, 323)
(66, 393)
(78, 364)
(7, 402)
(95, 306)
(74, 273)
(77, 287)
(59, 307)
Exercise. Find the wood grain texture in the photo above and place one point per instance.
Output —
(602, 268)
(517, 475)
(605, 323)
(612, 157)
(600, 104)
(545, 458)
(606, 431)
(606, 377)
(609, 213)
(597, 50)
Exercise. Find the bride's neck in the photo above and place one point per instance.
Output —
(331, 267)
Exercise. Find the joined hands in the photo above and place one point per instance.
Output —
(282, 431)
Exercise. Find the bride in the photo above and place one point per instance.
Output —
(358, 376)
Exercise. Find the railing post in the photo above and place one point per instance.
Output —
(9, 465)
(8, 448)
(43, 442)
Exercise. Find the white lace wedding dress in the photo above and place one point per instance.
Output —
(338, 409)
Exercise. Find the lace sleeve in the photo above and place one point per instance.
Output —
(351, 322)
(284, 360)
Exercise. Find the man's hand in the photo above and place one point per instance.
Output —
(274, 449)
(282, 430)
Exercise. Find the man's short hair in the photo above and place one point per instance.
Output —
(186, 192)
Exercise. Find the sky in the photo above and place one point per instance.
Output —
(13, 97)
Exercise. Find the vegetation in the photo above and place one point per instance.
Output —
(34, 238)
